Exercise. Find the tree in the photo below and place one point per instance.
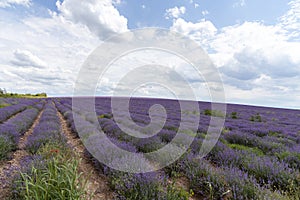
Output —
(2, 91)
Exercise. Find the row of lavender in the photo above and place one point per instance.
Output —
(126, 185)
(48, 130)
(235, 176)
(50, 171)
(13, 128)
(272, 139)
(14, 106)
(266, 171)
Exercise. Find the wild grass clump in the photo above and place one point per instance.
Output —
(256, 118)
(3, 105)
(254, 150)
(234, 115)
(214, 113)
(55, 176)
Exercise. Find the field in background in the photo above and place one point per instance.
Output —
(257, 155)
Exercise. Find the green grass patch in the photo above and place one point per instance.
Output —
(59, 177)
(171, 128)
(107, 116)
(292, 158)
(189, 132)
(225, 130)
(256, 118)
(176, 193)
(214, 113)
(274, 134)
(234, 115)
(255, 150)
(3, 105)
(190, 112)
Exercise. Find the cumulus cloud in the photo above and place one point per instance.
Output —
(101, 17)
(201, 31)
(154, 67)
(259, 63)
(239, 3)
(27, 59)
(9, 3)
(175, 12)
(255, 60)
(46, 53)
(204, 12)
(291, 20)
(244, 51)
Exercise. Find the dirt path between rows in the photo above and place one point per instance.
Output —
(11, 167)
(97, 183)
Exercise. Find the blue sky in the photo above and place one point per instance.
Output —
(221, 12)
(254, 44)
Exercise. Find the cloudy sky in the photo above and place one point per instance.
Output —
(254, 44)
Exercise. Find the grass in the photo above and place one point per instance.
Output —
(275, 134)
(107, 116)
(2, 105)
(189, 132)
(177, 193)
(189, 112)
(58, 179)
(256, 118)
(234, 115)
(254, 150)
(214, 113)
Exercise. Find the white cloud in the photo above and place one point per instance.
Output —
(51, 52)
(205, 12)
(143, 6)
(175, 12)
(244, 51)
(239, 3)
(257, 61)
(101, 17)
(263, 96)
(27, 59)
(47, 52)
(196, 5)
(201, 31)
(9, 3)
(117, 2)
(291, 20)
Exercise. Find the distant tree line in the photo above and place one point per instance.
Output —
(4, 93)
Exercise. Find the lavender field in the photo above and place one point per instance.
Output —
(42, 157)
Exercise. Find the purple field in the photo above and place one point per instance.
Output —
(257, 155)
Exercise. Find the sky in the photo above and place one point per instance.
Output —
(254, 44)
